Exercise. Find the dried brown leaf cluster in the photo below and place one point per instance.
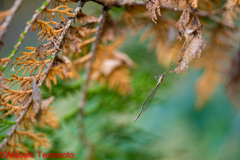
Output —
(194, 42)
(111, 67)
(153, 6)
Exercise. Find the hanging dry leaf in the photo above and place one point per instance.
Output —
(193, 43)
(182, 22)
(86, 19)
(46, 103)
(44, 107)
(37, 96)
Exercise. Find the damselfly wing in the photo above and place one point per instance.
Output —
(150, 97)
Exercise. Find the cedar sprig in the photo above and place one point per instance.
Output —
(29, 99)
(60, 10)
(47, 31)
(29, 60)
(22, 35)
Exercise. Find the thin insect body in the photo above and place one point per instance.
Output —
(160, 79)
(150, 97)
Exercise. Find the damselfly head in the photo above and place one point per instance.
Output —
(160, 77)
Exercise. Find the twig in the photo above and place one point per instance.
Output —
(60, 38)
(208, 14)
(22, 35)
(82, 103)
(110, 3)
(10, 17)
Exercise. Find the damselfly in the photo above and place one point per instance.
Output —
(150, 96)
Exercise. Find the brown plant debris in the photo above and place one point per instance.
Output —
(37, 96)
(111, 67)
(192, 31)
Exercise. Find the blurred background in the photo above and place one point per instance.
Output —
(171, 129)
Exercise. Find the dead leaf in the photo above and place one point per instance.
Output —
(46, 103)
(125, 58)
(83, 18)
(109, 65)
(37, 97)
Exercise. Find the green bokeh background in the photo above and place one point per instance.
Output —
(171, 129)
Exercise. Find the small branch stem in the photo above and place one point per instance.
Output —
(82, 103)
(10, 17)
(110, 3)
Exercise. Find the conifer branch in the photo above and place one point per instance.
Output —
(27, 104)
(10, 17)
(110, 3)
(209, 14)
(82, 103)
(22, 35)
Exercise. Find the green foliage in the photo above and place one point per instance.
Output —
(4, 124)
